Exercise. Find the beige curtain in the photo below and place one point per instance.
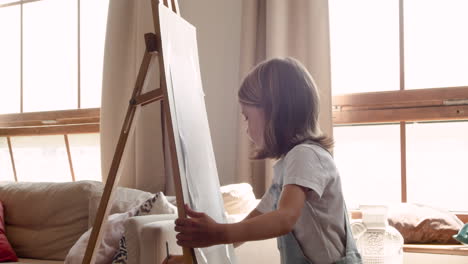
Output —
(273, 28)
(142, 166)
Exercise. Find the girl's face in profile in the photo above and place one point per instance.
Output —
(255, 118)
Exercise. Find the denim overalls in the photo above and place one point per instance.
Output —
(290, 250)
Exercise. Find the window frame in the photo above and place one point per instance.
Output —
(58, 122)
(402, 106)
(62, 122)
(431, 104)
(50, 122)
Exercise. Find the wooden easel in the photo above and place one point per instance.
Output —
(153, 48)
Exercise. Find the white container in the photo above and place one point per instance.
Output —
(376, 241)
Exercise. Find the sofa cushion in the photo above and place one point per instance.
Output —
(44, 220)
(112, 232)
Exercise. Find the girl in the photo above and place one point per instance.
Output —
(304, 207)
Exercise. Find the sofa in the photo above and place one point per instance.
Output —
(44, 220)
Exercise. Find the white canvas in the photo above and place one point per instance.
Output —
(195, 154)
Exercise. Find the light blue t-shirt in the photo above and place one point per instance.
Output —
(320, 229)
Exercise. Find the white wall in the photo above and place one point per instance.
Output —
(218, 24)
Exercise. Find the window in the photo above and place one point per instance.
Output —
(50, 89)
(400, 100)
(354, 145)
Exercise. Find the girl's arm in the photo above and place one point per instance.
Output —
(176, 259)
(202, 231)
(252, 214)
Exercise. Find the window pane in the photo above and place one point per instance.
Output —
(93, 34)
(86, 156)
(10, 44)
(41, 158)
(6, 170)
(50, 55)
(436, 42)
(368, 158)
(364, 42)
(437, 158)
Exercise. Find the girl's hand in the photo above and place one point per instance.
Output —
(174, 260)
(199, 230)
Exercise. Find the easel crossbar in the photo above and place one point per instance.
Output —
(148, 97)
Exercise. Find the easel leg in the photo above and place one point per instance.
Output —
(112, 179)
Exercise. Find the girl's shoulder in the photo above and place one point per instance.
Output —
(309, 148)
(311, 162)
(307, 153)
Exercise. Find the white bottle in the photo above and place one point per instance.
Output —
(377, 242)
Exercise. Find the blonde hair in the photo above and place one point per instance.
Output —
(287, 93)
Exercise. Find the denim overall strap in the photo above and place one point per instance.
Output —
(352, 255)
(290, 250)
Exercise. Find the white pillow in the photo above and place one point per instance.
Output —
(114, 230)
(124, 200)
(158, 204)
(238, 198)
